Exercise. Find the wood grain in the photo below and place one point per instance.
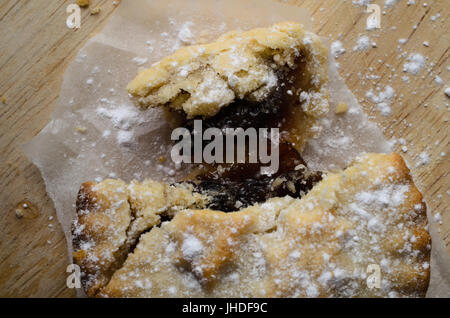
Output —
(36, 47)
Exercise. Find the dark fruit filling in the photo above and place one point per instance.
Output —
(235, 186)
(242, 185)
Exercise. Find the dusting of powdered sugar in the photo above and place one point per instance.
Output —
(390, 3)
(123, 118)
(423, 159)
(140, 60)
(191, 247)
(361, 3)
(387, 196)
(414, 64)
(185, 34)
(337, 49)
(382, 100)
(362, 44)
(447, 92)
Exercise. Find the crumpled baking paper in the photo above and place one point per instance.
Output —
(96, 132)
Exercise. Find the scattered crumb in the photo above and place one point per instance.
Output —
(3, 99)
(96, 10)
(83, 3)
(26, 209)
(426, 43)
(19, 214)
(341, 108)
(81, 129)
(162, 159)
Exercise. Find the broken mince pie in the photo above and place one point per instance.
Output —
(232, 232)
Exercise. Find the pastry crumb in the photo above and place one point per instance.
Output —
(19, 214)
(341, 108)
(2, 99)
(81, 129)
(26, 209)
(96, 10)
(83, 3)
(162, 159)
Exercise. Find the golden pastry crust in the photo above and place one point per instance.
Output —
(202, 79)
(317, 246)
(111, 216)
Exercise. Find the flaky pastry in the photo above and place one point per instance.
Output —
(202, 79)
(111, 216)
(325, 244)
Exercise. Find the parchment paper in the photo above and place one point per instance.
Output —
(96, 132)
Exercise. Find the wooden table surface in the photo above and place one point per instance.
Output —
(36, 47)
